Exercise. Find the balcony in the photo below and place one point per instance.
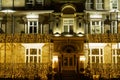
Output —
(46, 38)
(103, 38)
(24, 38)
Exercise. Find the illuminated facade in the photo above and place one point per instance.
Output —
(62, 34)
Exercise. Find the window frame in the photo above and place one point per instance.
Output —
(100, 56)
(69, 23)
(29, 56)
(89, 4)
(114, 4)
(33, 26)
(115, 56)
(95, 26)
(99, 4)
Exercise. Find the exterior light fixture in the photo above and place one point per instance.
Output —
(8, 11)
(68, 35)
(57, 34)
(82, 58)
(55, 61)
(80, 34)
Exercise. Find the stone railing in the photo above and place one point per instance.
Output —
(22, 70)
(103, 38)
(24, 38)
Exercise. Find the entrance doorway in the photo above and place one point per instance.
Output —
(69, 61)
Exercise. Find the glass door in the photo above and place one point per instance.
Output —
(69, 61)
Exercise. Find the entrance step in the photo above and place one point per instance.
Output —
(69, 75)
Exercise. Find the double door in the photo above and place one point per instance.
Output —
(69, 61)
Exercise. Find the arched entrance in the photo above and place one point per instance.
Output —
(68, 50)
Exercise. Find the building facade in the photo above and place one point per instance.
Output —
(60, 35)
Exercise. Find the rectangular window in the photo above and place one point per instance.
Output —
(113, 26)
(89, 4)
(116, 55)
(114, 4)
(0, 4)
(96, 56)
(99, 4)
(33, 26)
(68, 25)
(33, 55)
(96, 27)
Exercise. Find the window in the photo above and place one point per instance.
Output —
(89, 4)
(114, 26)
(96, 55)
(99, 4)
(0, 4)
(114, 4)
(33, 55)
(29, 2)
(68, 25)
(116, 55)
(40, 2)
(96, 27)
(32, 27)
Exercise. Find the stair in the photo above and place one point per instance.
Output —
(69, 75)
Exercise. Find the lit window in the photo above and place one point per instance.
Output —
(89, 4)
(68, 25)
(0, 4)
(96, 27)
(114, 26)
(96, 56)
(32, 27)
(33, 55)
(99, 4)
(114, 4)
(116, 55)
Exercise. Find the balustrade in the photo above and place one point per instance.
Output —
(24, 38)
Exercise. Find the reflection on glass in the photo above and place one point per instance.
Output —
(31, 59)
(65, 61)
(33, 51)
(70, 61)
(35, 59)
